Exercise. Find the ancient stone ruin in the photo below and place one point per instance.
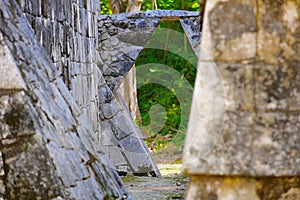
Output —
(121, 39)
(243, 138)
(49, 149)
(66, 132)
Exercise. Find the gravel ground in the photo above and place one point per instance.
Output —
(171, 185)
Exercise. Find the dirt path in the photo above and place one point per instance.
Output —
(171, 185)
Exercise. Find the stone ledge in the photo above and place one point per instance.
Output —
(163, 14)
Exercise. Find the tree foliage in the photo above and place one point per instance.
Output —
(150, 94)
(191, 5)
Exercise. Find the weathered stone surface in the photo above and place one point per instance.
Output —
(10, 77)
(69, 33)
(48, 148)
(255, 139)
(2, 187)
(121, 40)
(128, 33)
(244, 125)
(243, 188)
(192, 27)
(71, 40)
(163, 14)
(279, 31)
(277, 87)
(116, 125)
(207, 114)
(231, 38)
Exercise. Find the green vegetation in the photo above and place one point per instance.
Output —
(150, 94)
(105, 7)
(183, 61)
(191, 5)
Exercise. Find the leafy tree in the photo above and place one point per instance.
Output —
(191, 5)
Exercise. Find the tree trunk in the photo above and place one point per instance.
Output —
(134, 5)
(118, 6)
(128, 87)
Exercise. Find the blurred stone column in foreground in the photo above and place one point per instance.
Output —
(243, 139)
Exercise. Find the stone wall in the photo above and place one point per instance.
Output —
(68, 30)
(243, 136)
(48, 148)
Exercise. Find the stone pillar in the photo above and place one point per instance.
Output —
(243, 135)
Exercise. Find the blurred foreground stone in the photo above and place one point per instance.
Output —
(244, 129)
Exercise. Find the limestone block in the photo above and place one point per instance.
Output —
(279, 29)
(265, 141)
(47, 36)
(95, 5)
(77, 90)
(10, 77)
(21, 146)
(192, 27)
(277, 87)
(260, 145)
(94, 120)
(60, 10)
(117, 158)
(69, 43)
(238, 85)
(131, 144)
(89, 51)
(207, 113)
(275, 144)
(84, 22)
(243, 188)
(94, 52)
(82, 46)
(69, 10)
(229, 31)
(107, 136)
(139, 163)
(47, 10)
(59, 157)
(229, 152)
(108, 110)
(91, 184)
(120, 126)
(76, 15)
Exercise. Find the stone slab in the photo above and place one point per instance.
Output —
(10, 77)
(224, 38)
(279, 29)
(277, 87)
(243, 188)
